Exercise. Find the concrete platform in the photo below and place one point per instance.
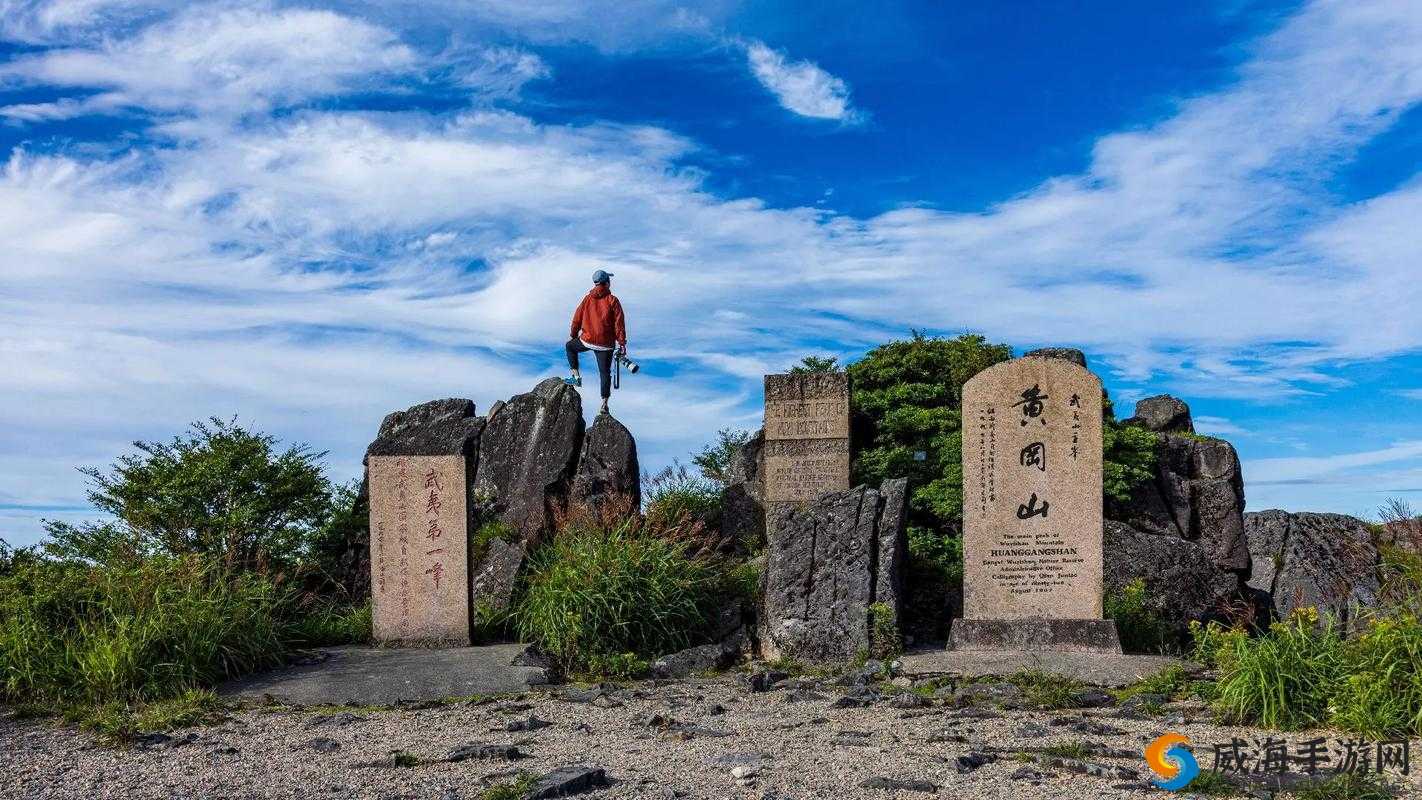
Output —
(1096, 669)
(378, 676)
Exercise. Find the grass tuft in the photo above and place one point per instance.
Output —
(1045, 689)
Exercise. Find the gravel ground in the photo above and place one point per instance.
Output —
(666, 740)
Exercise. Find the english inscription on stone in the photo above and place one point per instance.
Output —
(419, 549)
(806, 436)
(1032, 492)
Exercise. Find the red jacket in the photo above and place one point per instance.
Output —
(598, 319)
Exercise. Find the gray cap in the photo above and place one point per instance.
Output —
(601, 276)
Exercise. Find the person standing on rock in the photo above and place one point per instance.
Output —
(598, 326)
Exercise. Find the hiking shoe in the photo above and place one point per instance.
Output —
(574, 380)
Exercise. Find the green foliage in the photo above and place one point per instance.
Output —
(1346, 786)
(1213, 784)
(1141, 628)
(1284, 679)
(124, 721)
(345, 523)
(715, 459)
(884, 639)
(1074, 749)
(933, 569)
(129, 632)
(905, 400)
(1381, 687)
(325, 623)
(1129, 455)
(816, 364)
(599, 591)
(1046, 690)
(220, 491)
(675, 497)
(1172, 683)
(486, 535)
(516, 789)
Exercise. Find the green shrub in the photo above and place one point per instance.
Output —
(123, 721)
(715, 459)
(1128, 459)
(325, 624)
(219, 491)
(1347, 786)
(674, 497)
(599, 591)
(1141, 628)
(1284, 679)
(134, 631)
(1046, 690)
(884, 639)
(1380, 692)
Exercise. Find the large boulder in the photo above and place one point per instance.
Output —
(1327, 561)
(1181, 583)
(527, 457)
(743, 498)
(824, 566)
(1197, 491)
(608, 474)
(1163, 414)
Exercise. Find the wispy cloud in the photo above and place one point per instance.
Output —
(1327, 469)
(801, 86)
(1218, 426)
(315, 268)
(1411, 394)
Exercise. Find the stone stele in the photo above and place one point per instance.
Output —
(806, 437)
(419, 549)
(1032, 516)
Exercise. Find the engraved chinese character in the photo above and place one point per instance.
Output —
(1031, 403)
(432, 481)
(1034, 455)
(1031, 509)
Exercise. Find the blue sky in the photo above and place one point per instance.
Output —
(310, 214)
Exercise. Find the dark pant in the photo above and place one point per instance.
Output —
(604, 363)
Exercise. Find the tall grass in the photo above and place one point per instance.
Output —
(606, 594)
(150, 629)
(1305, 673)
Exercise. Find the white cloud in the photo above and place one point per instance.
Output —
(231, 60)
(1411, 394)
(800, 86)
(1343, 467)
(316, 269)
(1217, 426)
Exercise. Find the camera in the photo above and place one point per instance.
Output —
(628, 364)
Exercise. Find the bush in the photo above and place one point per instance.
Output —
(675, 497)
(714, 460)
(326, 624)
(220, 491)
(134, 631)
(1140, 627)
(884, 640)
(1284, 679)
(605, 594)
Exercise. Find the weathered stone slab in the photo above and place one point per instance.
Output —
(1032, 515)
(419, 549)
(1096, 669)
(806, 451)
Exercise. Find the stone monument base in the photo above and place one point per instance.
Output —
(1035, 633)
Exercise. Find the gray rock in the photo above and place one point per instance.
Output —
(1092, 698)
(1196, 493)
(533, 723)
(322, 744)
(1031, 730)
(485, 752)
(892, 547)
(495, 574)
(743, 498)
(692, 661)
(823, 571)
(972, 761)
(1327, 561)
(566, 781)
(1180, 581)
(528, 454)
(608, 475)
(527, 458)
(1163, 414)
(1071, 354)
(908, 700)
(994, 693)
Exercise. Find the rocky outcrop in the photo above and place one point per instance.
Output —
(608, 474)
(824, 566)
(1071, 354)
(1180, 581)
(1327, 561)
(743, 498)
(1163, 414)
(528, 455)
(1197, 491)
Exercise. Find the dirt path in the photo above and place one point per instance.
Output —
(711, 738)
